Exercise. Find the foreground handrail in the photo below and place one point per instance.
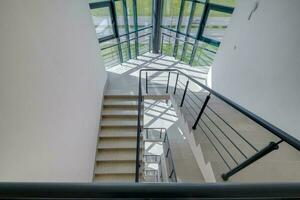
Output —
(148, 190)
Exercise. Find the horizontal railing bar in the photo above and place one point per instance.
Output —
(125, 41)
(180, 39)
(202, 38)
(135, 31)
(196, 105)
(214, 146)
(148, 190)
(242, 137)
(174, 31)
(225, 135)
(224, 147)
(194, 117)
(273, 129)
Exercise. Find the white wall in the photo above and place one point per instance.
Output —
(51, 85)
(258, 64)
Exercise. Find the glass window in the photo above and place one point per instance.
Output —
(110, 53)
(120, 17)
(130, 14)
(102, 21)
(185, 17)
(216, 25)
(196, 19)
(230, 3)
(171, 13)
(144, 13)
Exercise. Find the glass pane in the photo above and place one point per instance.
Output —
(130, 15)
(216, 25)
(144, 13)
(186, 16)
(230, 3)
(102, 22)
(180, 46)
(144, 44)
(196, 19)
(168, 43)
(171, 13)
(204, 55)
(120, 17)
(109, 52)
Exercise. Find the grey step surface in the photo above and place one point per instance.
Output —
(123, 132)
(117, 143)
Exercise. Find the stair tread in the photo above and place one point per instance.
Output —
(118, 132)
(116, 154)
(121, 167)
(114, 178)
(120, 96)
(118, 121)
(121, 143)
(119, 112)
(120, 102)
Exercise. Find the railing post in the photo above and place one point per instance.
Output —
(167, 90)
(269, 148)
(175, 87)
(150, 38)
(147, 134)
(201, 111)
(162, 44)
(160, 134)
(184, 93)
(167, 154)
(165, 137)
(147, 82)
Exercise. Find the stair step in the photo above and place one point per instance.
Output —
(117, 143)
(116, 155)
(118, 122)
(120, 103)
(115, 132)
(116, 178)
(121, 96)
(124, 112)
(120, 167)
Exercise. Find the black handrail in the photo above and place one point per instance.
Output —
(149, 191)
(271, 128)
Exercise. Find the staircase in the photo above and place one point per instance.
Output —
(116, 150)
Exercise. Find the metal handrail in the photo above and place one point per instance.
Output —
(270, 127)
(149, 191)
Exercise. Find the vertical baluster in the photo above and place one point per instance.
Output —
(201, 111)
(147, 82)
(175, 87)
(167, 90)
(162, 44)
(183, 97)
